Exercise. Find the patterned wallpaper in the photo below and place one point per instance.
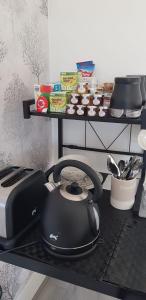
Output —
(23, 62)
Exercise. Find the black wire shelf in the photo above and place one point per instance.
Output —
(28, 113)
(107, 151)
(108, 119)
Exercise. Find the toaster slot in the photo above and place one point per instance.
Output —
(19, 174)
(7, 171)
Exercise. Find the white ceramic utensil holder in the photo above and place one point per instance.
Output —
(123, 193)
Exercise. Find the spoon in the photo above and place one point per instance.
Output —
(133, 174)
(137, 166)
(112, 166)
(129, 167)
(121, 165)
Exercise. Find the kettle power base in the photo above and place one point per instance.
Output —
(76, 252)
(69, 256)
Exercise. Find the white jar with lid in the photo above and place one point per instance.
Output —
(70, 109)
(86, 99)
(91, 111)
(103, 111)
(80, 110)
(74, 98)
(97, 99)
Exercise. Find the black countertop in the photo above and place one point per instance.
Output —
(117, 267)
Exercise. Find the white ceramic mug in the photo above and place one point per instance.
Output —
(142, 139)
(123, 193)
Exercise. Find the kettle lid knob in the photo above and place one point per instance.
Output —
(74, 189)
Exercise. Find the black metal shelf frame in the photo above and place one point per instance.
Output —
(115, 231)
(28, 112)
(61, 116)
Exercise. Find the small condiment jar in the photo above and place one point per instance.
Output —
(103, 111)
(70, 109)
(107, 99)
(91, 111)
(97, 99)
(80, 110)
(74, 98)
(93, 90)
(108, 87)
(86, 98)
(82, 88)
(93, 86)
(100, 89)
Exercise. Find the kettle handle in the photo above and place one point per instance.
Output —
(93, 215)
(49, 172)
(85, 168)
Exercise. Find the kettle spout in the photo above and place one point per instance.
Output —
(51, 186)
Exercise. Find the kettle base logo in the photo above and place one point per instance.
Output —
(53, 236)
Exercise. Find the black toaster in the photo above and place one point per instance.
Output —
(22, 193)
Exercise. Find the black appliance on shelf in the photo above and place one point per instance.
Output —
(22, 193)
(142, 86)
(126, 93)
(70, 221)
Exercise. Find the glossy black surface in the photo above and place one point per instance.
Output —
(66, 224)
(116, 267)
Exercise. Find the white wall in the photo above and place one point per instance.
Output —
(109, 32)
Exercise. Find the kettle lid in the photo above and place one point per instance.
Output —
(73, 192)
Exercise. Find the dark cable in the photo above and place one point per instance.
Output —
(19, 247)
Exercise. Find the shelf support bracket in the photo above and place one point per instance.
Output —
(26, 108)
(60, 138)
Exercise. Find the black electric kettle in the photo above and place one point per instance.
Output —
(70, 220)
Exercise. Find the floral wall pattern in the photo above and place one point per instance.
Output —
(3, 51)
(44, 7)
(23, 62)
